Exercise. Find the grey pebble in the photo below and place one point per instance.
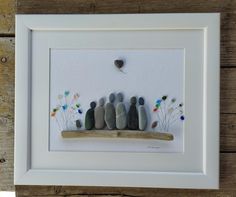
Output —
(121, 115)
(99, 114)
(110, 113)
(142, 115)
(78, 124)
(132, 118)
(89, 117)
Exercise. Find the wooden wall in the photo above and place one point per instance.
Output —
(227, 8)
(7, 26)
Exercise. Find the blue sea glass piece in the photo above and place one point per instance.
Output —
(64, 107)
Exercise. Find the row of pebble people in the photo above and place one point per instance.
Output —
(116, 117)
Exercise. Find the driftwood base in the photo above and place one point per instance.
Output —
(117, 134)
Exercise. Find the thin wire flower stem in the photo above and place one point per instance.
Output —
(62, 114)
(172, 116)
(162, 119)
(58, 124)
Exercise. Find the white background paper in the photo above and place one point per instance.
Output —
(150, 73)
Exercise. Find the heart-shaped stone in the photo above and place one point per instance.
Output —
(119, 63)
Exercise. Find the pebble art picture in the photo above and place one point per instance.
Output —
(108, 100)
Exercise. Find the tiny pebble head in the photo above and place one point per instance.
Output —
(164, 98)
(120, 97)
(173, 100)
(93, 105)
(112, 97)
(133, 100)
(181, 105)
(181, 117)
(101, 101)
(141, 101)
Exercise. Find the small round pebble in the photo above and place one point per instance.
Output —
(93, 105)
(133, 100)
(112, 97)
(120, 97)
(154, 124)
(78, 124)
(141, 101)
(101, 101)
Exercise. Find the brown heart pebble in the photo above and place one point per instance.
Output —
(119, 63)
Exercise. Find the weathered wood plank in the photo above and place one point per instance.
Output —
(7, 77)
(159, 193)
(227, 170)
(7, 16)
(123, 6)
(6, 113)
(228, 83)
(227, 185)
(228, 90)
(117, 134)
(228, 132)
(228, 39)
(6, 161)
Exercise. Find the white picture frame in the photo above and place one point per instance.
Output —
(196, 167)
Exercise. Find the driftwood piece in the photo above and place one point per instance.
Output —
(117, 134)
